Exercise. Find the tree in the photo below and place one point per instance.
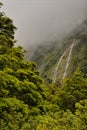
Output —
(73, 90)
(13, 114)
(22, 91)
(81, 113)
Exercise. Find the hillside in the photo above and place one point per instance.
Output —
(57, 62)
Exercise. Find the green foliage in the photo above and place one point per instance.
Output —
(56, 121)
(61, 120)
(13, 113)
(73, 90)
(81, 113)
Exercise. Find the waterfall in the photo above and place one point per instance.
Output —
(67, 63)
(57, 67)
(68, 60)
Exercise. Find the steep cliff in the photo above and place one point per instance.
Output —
(58, 62)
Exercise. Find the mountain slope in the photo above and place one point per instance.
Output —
(57, 62)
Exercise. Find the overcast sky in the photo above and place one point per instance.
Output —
(42, 20)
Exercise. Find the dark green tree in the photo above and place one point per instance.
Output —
(22, 91)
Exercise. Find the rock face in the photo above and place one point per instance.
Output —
(57, 62)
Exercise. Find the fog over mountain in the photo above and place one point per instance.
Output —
(44, 20)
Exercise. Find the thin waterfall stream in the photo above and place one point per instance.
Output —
(57, 67)
(68, 60)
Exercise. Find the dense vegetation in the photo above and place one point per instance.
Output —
(26, 103)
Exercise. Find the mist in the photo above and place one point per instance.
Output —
(44, 20)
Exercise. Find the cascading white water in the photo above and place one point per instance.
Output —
(68, 60)
(66, 66)
(57, 67)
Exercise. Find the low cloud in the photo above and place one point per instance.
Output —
(44, 20)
